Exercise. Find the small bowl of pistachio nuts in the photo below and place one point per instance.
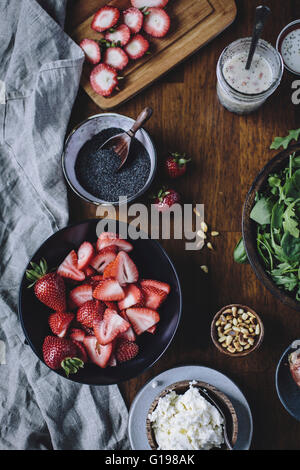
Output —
(237, 330)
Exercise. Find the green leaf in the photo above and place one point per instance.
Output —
(262, 211)
(291, 247)
(239, 254)
(285, 141)
(290, 224)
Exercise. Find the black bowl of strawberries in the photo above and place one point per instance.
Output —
(100, 310)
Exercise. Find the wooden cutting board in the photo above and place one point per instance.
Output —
(193, 24)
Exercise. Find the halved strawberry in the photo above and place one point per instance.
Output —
(76, 334)
(113, 240)
(97, 353)
(137, 47)
(60, 322)
(142, 318)
(82, 354)
(85, 254)
(103, 258)
(157, 284)
(110, 327)
(89, 271)
(109, 289)
(133, 296)
(153, 297)
(129, 334)
(89, 311)
(116, 58)
(107, 271)
(104, 79)
(80, 295)
(105, 18)
(157, 22)
(92, 50)
(133, 18)
(126, 350)
(124, 270)
(149, 3)
(152, 330)
(69, 268)
(119, 35)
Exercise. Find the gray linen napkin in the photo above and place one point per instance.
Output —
(39, 75)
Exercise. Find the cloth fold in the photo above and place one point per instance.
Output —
(40, 70)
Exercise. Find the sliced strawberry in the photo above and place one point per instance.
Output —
(157, 284)
(112, 361)
(129, 334)
(80, 295)
(105, 18)
(60, 322)
(152, 330)
(110, 327)
(76, 334)
(89, 311)
(108, 270)
(109, 290)
(85, 254)
(119, 35)
(97, 353)
(112, 305)
(157, 22)
(108, 235)
(69, 268)
(153, 297)
(126, 350)
(88, 331)
(104, 79)
(137, 47)
(89, 271)
(149, 3)
(133, 296)
(133, 18)
(116, 58)
(118, 242)
(124, 270)
(92, 50)
(142, 318)
(82, 354)
(103, 258)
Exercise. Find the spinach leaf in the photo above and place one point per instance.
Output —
(261, 212)
(291, 247)
(239, 254)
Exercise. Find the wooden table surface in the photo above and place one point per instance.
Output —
(227, 152)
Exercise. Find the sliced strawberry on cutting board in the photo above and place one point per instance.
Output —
(133, 18)
(98, 353)
(69, 268)
(142, 318)
(137, 47)
(110, 327)
(149, 3)
(105, 18)
(129, 334)
(133, 296)
(85, 254)
(103, 258)
(119, 35)
(126, 350)
(92, 51)
(76, 334)
(82, 354)
(90, 310)
(59, 323)
(116, 58)
(109, 290)
(153, 297)
(157, 22)
(157, 284)
(124, 270)
(80, 295)
(103, 79)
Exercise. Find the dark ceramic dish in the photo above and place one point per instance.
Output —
(278, 163)
(287, 390)
(153, 263)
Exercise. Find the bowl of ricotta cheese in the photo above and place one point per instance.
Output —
(181, 418)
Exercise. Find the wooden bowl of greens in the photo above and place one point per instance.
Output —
(271, 226)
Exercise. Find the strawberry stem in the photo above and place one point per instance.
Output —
(37, 271)
(71, 365)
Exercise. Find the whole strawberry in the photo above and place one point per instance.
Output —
(48, 288)
(62, 353)
(175, 165)
(165, 199)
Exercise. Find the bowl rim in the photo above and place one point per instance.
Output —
(247, 227)
(99, 202)
(243, 353)
(28, 340)
(280, 39)
(185, 385)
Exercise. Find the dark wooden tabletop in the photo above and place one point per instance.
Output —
(227, 151)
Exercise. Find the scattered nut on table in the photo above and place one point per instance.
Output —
(238, 330)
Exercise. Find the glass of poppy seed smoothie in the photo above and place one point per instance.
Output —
(243, 91)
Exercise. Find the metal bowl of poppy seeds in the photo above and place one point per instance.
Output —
(92, 173)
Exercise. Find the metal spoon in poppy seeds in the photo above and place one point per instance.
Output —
(120, 143)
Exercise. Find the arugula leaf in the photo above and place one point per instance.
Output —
(291, 247)
(290, 224)
(285, 141)
(262, 211)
